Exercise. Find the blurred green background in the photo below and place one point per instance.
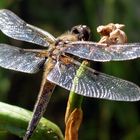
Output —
(103, 120)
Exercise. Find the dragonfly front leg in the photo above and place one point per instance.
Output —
(42, 101)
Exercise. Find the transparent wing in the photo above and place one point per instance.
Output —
(14, 27)
(19, 60)
(94, 84)
(100, 52)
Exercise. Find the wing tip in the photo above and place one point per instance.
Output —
(4, 10)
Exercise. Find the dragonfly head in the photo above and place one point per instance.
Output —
(82, 31)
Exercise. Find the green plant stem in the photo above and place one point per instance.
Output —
(75, 100)
(15, 120)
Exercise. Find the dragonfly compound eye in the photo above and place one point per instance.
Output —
(82, 31)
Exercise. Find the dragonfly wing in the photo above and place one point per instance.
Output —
(102, 53)
(20, 60)
(14, 27)
(126, 51)
(94, 84)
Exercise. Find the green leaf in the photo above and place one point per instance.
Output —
(15, 120)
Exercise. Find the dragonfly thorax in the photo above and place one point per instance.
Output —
(56, 49)
(77, 33)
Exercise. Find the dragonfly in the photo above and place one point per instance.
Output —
(58, 59)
